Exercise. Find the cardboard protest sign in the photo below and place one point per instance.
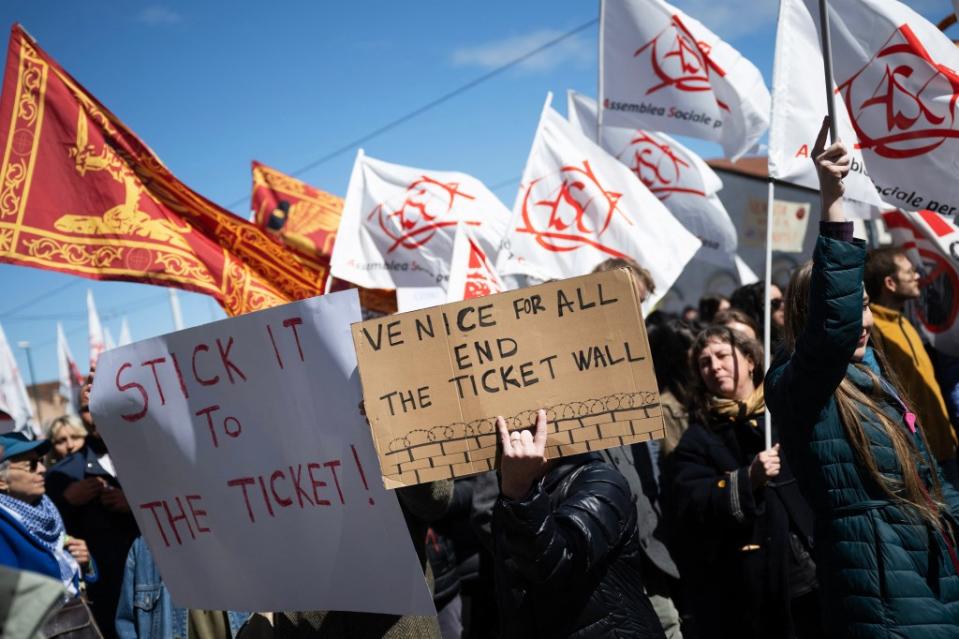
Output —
(435, 380)
(249, 468)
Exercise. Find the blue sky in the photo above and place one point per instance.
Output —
(211, 86)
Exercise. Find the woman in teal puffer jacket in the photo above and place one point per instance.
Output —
(885, 521)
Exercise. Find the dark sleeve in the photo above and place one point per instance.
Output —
(553, 546)
(55, 484)
(798, 389)
(703, 495)
(485, 493)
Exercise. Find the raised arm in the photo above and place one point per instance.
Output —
(798, 388)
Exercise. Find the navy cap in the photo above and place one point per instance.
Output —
(15, 444)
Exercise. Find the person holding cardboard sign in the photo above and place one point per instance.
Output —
(566, 550)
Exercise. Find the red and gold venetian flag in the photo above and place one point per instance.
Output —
(80, 193)
(305, 217)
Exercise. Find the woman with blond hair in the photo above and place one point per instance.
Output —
(67, 435)
(885, 523)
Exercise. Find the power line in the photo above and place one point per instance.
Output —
(39, 298)
(144, 305)
(430, 105)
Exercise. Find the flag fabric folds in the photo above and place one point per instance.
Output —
(125, 337)
(399, 222)
(662, 70)
(799, 104)
(303, 216)
(929, 240)
(896, 77)
(16, 413)
(471, 271)
(681, 180)
(69, 375)
(81, 194)
(98, 341)
(578, 206)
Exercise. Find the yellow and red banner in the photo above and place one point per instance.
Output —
(304, 217)
(80, 193)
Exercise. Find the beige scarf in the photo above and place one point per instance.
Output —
(735, 410)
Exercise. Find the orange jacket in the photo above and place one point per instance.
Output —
(908, 358)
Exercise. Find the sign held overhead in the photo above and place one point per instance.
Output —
(435, 380)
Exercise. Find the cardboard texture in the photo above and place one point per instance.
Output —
(434, 380)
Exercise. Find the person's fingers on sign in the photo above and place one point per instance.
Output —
(524, 457)
(832, 163)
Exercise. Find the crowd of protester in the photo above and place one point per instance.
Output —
(840, 522)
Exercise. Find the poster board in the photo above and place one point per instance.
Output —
(250, 469)
(434, 380)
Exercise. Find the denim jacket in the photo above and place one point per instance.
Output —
(145, 610)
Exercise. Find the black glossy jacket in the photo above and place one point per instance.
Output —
(567, 557)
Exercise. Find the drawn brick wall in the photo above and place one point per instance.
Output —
(455, 450)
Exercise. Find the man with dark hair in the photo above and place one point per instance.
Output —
(891, 281)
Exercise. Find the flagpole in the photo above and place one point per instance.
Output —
(175, 310)
(599, 87)
(826, 43)
(767, 279)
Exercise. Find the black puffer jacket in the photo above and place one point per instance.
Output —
(567, 557)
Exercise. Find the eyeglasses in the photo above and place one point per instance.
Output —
(28, 464)
(776, 304)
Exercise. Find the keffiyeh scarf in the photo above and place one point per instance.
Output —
(43, 521)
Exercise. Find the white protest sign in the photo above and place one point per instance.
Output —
(414, 298)
(249, 469)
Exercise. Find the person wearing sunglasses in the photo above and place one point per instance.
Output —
(32, 535)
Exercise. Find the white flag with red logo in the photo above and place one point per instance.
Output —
(799, 104)
(578, 206)
(471, 272)
(662, 70)
(124, 333)
(681, 180)
(16, 413)
(70, 377)
(398, 224)
(98, 342)
(896, 78)
(932, 244)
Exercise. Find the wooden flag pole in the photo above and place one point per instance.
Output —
(827, 66)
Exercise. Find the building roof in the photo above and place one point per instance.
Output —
(756, 166)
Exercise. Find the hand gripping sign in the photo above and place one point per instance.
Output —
(435, 380)
(249, 468)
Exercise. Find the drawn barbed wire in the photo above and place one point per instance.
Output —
(524, 419)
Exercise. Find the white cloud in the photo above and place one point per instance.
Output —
(159, 15)
(575, 49)
(731, 19)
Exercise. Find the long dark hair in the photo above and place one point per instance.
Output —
(852, 402)
(740, 343)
